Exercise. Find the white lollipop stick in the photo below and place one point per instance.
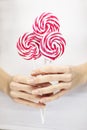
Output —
(42, 112)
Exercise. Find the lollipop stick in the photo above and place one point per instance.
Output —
(42, 112)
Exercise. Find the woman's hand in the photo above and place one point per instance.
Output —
(68, 77)
(18, 88)
(21, 92)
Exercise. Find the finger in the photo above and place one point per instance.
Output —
(51, 70)
(53, 97)
(21, 87)
(29, 97)
(29, 103)
(22, 79)
(42, 85)
(51, 88)
(51, 77)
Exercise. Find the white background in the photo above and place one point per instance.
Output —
(16, 18)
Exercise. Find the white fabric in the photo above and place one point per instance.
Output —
(16, 18)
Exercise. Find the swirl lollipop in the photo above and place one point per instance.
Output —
(28, 46)
(46, 40)
(46, 23)
(52, 45)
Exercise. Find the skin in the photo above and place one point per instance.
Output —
(18, 88)
(68, 77)
(38, 89)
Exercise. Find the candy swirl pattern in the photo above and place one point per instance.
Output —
(45, 39)
(52, 45)
(28, 46)
(46, 23)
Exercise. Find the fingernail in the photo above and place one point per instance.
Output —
(43, 106)
(36, 101)
(31, 81)
(43, 101)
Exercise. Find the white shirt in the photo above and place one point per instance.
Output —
(16, 18)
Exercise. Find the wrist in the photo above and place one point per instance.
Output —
(6, 87)
(83, 72)
(5, 80)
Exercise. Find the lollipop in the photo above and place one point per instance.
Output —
(28, 46)
(52, 45)
(46, 40)
(46, 23)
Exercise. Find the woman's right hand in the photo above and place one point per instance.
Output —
(21, 92)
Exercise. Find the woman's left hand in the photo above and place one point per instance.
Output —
(67, 76)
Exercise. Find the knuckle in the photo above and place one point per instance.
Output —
(70, 77)
(68, 69)
(55, 87)
(47, 68)
(50, 77)
(39, 70)
(40, 91)
(15, 77)
(54, 97)
(65, 77)
(12, 84)
(70, 84)
(37, 79)
(12, 94)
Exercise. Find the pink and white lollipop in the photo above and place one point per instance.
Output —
(46, 39)
(28, 46)
(52, 45)
(46, 23)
